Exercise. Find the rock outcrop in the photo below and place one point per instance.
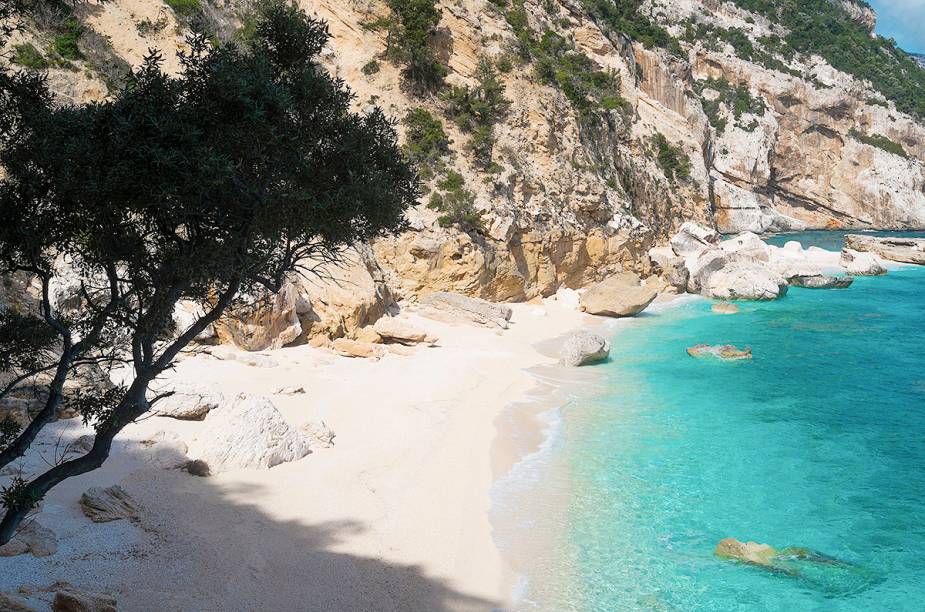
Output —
(248, 433)
(582, 347)
(620, 295)
(472, 309)
(356, 348)
(904, 250)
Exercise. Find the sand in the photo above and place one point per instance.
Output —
(395, 516)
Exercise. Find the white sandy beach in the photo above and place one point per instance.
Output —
(395, 516)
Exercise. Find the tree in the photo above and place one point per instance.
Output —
(223, 180)
(410, 32)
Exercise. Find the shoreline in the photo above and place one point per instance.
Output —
(395, 516)
(540, 415)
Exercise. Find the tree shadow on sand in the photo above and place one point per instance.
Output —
(205, 550)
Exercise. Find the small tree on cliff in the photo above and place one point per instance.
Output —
(198, 187)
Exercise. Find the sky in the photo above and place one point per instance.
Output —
(902, 20)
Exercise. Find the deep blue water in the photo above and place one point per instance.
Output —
(819, 442)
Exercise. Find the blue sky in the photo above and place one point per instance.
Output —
(902, 20)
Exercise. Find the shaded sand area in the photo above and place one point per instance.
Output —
(393, 516)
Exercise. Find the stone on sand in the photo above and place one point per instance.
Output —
(393, 329)
(31, 538)
(250, 433)
(354, 348)
(473, 309)
(190, 403)
(620, 295)
(582, 347)
(109, 504)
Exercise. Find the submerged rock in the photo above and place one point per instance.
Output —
(582, 348)
(726, 352)
(724, 308)
(819, 281)
(621, 295)
(749, 552)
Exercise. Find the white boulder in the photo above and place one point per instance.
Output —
(744, 279)
(583, 347)
(249, 433)
(861, 264)
(692, 239)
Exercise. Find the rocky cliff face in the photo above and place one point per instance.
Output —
(699, 132)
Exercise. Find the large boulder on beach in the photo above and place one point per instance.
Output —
(904, 250)
(582, 347)
(346, 347)
(620, 295)
(249, 433)
(472, 309)
(692, 239)
(857, 263)
(109, 504)
(747, 244)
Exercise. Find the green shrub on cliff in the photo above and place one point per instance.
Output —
(476, 110)
(425, 141)
(820, 27)
(881, 142)
(456, 203)
(675, 163)
(410, 32)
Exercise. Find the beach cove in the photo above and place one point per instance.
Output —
(812, 443)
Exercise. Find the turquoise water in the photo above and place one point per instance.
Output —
(818, 442)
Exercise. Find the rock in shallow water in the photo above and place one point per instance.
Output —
(724, 308)
(819, 281)
(725, 352)
(861, 264)
(582, 348)
(905, 250)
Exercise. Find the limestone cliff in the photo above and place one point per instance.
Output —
(699, 126)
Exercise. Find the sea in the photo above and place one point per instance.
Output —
(818, 442)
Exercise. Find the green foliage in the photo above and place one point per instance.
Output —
(65, 43)
(17, 496)
(246, 167)
(623, 16)
(456, 203)
(764, 53)
(410, 33)
(185, 9)
(23, 340)
(28, 56)
(820, 27)
(476, 110)
(9, 430)
(881, 142)
(559, 64)
(675, 164)
(369, 68)
(426, 141)
(738, 100)
(147, 27)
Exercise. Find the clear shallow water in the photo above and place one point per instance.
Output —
(817, 442)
